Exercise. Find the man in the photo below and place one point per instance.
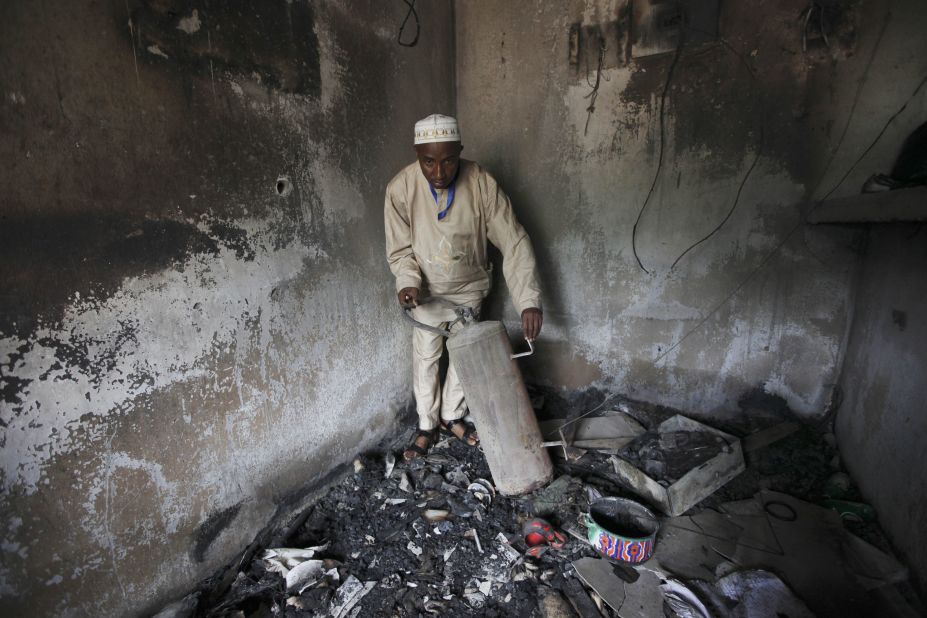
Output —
(440, 212)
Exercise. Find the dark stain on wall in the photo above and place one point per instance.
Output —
(233, 238)
(12, 389)
(705, 107)
(78, 355)
(717, 102)
(44, 261)
(209, 530)
(274, 40)
(124, 164)
(900, 319)
(75, 354)
(758, 399)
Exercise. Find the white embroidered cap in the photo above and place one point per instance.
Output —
(436, 128)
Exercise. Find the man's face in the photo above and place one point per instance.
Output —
(439, 162)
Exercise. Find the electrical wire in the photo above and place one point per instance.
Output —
(874, 142)
(792, 231)
(585, 414)
(743, 182)
(656, 176)
(594, 94)
(759, 150)
(418, 26)
(856, 98)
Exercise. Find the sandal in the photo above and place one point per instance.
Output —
(416, 449)
(469, 435)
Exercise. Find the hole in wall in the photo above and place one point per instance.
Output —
(283, 186)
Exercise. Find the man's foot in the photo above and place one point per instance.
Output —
(463, 431)
(419, 446)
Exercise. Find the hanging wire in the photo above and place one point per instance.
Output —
(592, 96)
(418, 26)
(587, 413)
(806, 17)
(794, 228)
(656, 176)
(856, 97)
(759, 150)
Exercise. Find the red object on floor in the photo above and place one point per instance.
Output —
(539, 531)
(535, 538)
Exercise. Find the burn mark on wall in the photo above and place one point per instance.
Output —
(610, 39)
(92, 356)
(45, 262)
(658, 25)
(274, 41)
(233, 238)
(209, 530)
(12, 387)
(900, 319)
(141, 242)
(759, 398)
(706, 111)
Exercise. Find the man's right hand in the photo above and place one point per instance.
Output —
(408, 297)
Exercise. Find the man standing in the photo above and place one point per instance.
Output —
(440, 212)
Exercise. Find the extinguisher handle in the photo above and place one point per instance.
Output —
(407, 314)
(464, 314)
(529, 353)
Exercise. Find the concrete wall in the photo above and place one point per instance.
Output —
(761, 306)
(523, 110)
(882, 426)
(182, 348)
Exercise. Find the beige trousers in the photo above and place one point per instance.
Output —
(432, 401)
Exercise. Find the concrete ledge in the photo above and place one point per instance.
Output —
(886, 207)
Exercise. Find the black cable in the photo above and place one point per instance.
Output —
(594, 94)
(762, 127)
(669, 77)
(859, 91)
(872, 145)
(791, 232)
(759, 150)
(726, 217)
(418, 26)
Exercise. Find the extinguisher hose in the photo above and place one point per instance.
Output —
(464, 314)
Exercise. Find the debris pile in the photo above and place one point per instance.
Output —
(434, 537)
(667, 457)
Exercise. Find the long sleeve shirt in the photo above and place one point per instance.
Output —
(449, 256)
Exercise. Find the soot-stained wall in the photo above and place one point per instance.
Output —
(761, 306)
(195, 311)
(881, 423)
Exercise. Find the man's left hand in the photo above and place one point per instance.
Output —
(531, 320)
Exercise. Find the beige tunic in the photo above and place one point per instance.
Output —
(448, 257)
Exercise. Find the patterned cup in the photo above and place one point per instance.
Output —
(621, 529)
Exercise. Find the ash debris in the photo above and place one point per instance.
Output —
(434, 538)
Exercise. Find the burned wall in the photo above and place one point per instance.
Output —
(662, 186)
(881, 425)
(195, 301)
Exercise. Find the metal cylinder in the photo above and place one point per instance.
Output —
(496, 395)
